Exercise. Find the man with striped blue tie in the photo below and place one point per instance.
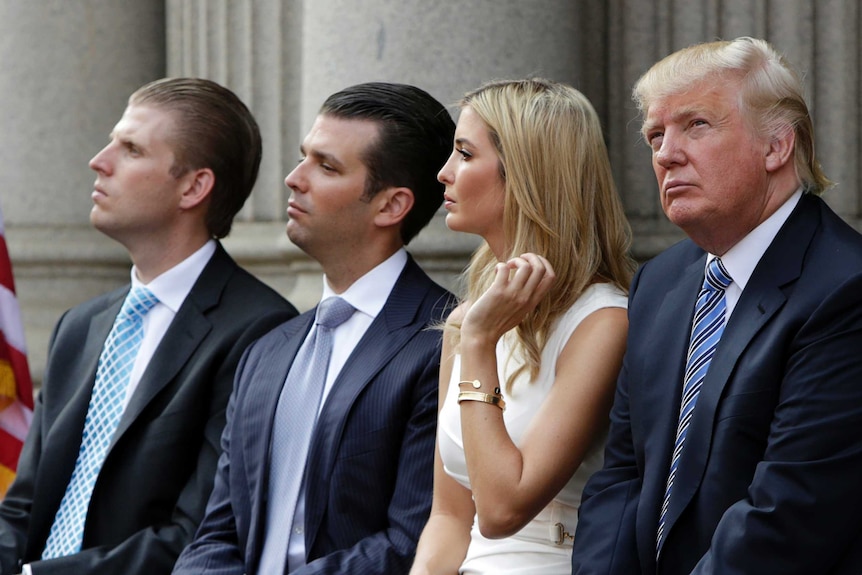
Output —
(119, 463)
(734, 445)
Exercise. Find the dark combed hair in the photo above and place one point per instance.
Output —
(214, 130)
(414, 141)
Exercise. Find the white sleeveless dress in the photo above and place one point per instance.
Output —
(536, 548)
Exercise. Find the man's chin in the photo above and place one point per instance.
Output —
(96, 218)
(101, 223)
(682, 214)
(295, 235)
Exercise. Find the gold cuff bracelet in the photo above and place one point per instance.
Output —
(483, 397)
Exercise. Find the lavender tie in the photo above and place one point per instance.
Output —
(292, 429)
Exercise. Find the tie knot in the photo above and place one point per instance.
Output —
(716, 275)
(139, 301)
(333, 311)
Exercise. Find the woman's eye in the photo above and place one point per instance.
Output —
(464, 154)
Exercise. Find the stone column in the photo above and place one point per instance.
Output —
(68, 68)
(835, 77)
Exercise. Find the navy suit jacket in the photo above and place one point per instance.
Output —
(152, 490)
(370, 464)
(768, 480)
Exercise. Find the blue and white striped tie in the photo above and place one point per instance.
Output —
(707, 327)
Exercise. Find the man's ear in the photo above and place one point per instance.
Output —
(198, 186)
(393, 205)
(780, 150)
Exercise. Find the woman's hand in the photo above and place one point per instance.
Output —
(518, 286)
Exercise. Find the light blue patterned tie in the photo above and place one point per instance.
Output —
(294, 422)
(103, 416)
(707, 327)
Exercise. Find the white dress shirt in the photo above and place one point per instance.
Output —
(742, 258)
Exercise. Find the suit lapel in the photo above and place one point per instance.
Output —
(100, 326)
(63, 442)
(665, 362)
(264, 383)
(763, 296)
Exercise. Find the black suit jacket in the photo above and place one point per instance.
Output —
(768, 480)
(152, 490)
(370, 464)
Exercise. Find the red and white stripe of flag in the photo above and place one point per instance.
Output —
(16, 388)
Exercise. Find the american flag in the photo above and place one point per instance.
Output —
(16, 388)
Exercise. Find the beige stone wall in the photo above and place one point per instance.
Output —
(69, 67)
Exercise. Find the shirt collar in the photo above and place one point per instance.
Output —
(369, 293)
(172, 286)
(741, 259)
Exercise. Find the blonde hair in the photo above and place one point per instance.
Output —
(770, 98)
(560, 199)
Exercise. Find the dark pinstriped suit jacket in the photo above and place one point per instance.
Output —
(370, 465)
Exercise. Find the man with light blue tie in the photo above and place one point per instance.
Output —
(118, 465)
(329, 447)
(734, 445)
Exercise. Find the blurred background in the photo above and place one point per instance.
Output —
(69, 66)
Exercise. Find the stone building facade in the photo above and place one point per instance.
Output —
(68, 68)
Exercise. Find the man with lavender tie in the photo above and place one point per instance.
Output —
(116, 471)
(328, 461)
(734, 445)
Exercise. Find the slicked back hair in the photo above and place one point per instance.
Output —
(214, 130)
(414, 140)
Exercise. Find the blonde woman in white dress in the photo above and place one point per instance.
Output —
(531, 355)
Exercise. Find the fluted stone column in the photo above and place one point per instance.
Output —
(68, 68)
(836, 78)
(820, 38)
(252, 47)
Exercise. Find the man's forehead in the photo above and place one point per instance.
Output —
(339, 136)
(705, 98)
(328, 123)
(137, 116)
